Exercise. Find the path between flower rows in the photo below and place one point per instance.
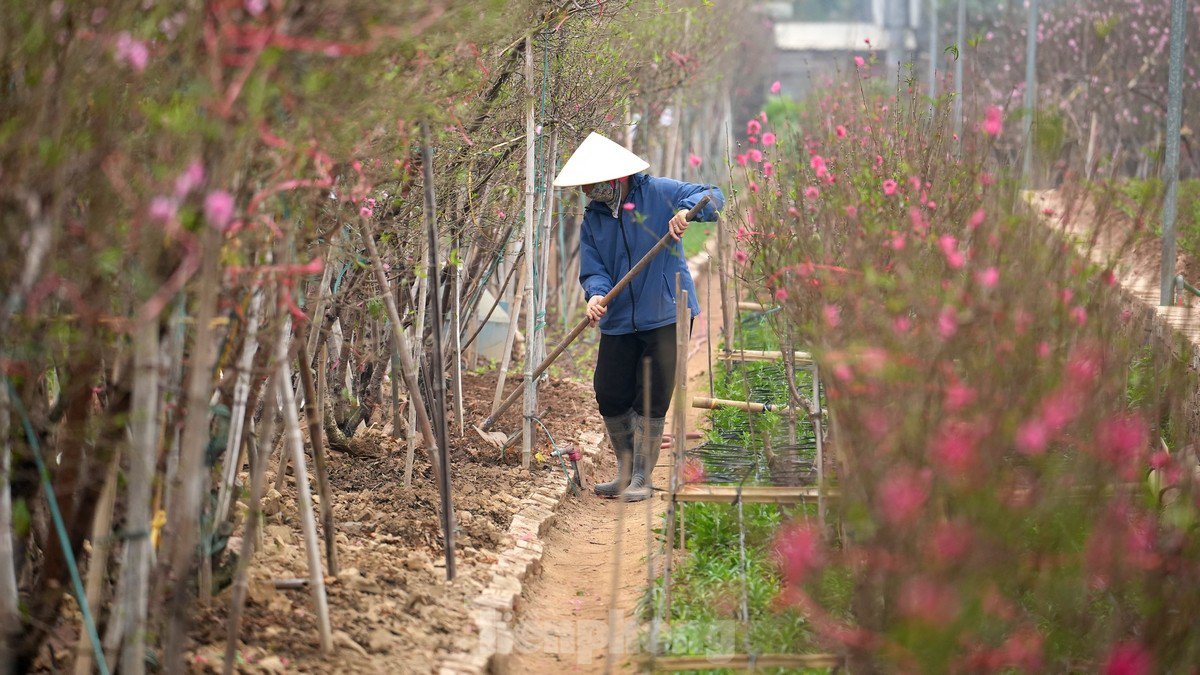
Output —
(563, 619)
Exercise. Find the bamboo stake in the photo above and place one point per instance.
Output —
(324, 297)
(547, 227)
(419, 339)
(515, 300)
(9, 614)
(456, 343)
(724, 254)
(316, 436)
(186, 508)
(682, 339)
(530, 404)
(308, 524)
(400, 344)
(748, 406)
(176, 339)
(249, 540)
(98, 561)
(815, 411)
(241, 393)
(649, 516)
(437, 370)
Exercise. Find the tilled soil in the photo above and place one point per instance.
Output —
(391, 609)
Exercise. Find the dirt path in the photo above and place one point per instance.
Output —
(564, 616)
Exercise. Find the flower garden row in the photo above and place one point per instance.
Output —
(1015, 485)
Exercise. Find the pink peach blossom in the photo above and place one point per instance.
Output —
(132, 51)
(798, 551)
(162, 208)
(218, 209)
(191, 178)
(988, 278)
(840, 131)
(902, 493)
(1032, 436)
(1128, 658)
(768, 138)
(947, 323)
(694, 159)
(775, 87)
(889, 187)
(833, 316)
(993, 122)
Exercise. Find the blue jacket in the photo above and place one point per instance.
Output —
(609, 247)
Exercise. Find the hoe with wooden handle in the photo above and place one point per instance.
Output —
(498, 438)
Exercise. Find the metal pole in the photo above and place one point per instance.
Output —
(1030, 89)
(1171, 167)
(959, 34)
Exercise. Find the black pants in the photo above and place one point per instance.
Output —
(618, 379)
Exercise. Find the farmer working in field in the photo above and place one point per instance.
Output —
(627, 213)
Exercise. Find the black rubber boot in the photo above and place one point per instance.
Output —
(620, 435)
(641, 484)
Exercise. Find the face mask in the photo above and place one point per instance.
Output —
(603, 192)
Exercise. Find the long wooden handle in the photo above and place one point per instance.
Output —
(608, 297)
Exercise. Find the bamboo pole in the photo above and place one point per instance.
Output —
(191, 476)
(249, 540)
(724, 253)
(316, 436)
(547, 227)
(98, 561)
(437, 369)
(324, 297)
(682, 339)
(515, 300)
(748, 406)
(649, 515)
(419, 339)
(763, 355)
(818, 430)
(10, 618)
(308, 523)
(456, 343)
(241, 394)
(530, 406)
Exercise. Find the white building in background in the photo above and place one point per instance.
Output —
(812, 37)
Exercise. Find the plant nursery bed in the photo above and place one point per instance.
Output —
(391, 608)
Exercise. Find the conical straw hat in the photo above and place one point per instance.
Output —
(596, 160)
